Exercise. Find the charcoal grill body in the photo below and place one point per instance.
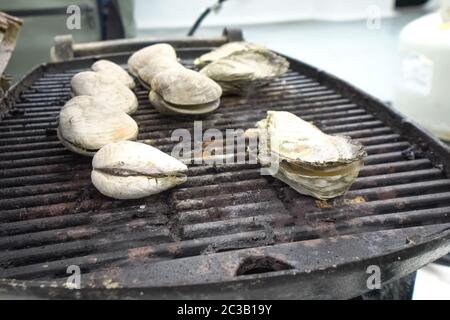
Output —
(229, 232)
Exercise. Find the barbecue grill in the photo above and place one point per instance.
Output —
(229, 232)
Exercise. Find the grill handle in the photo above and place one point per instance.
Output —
(65, 47)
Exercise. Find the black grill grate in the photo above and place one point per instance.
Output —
(52, 217)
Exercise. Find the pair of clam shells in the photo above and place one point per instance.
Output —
(242, 67)
(175, 90)
(122, 169)
(109, 83)
(310, 161)
(132, 170)
(98, 114)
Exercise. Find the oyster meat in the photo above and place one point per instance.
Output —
(310, 161)
(155, 66)
(141, 58)
(243, 71)
(103, 87)
(224, 51)
(132, 170)
(183, 91)
(112, 70)
(87, 123)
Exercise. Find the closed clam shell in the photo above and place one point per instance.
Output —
(310, 161)
(114, 71)
(141, 58)
(105, 88)
(132, 170)
(155, 66)
(87, 123)
(171, 110)
(182, 87)
(224, 51)
(242, 71)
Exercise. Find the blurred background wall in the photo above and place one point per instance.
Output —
(354, 39)
(179, 13)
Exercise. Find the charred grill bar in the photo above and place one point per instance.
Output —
(227, 232)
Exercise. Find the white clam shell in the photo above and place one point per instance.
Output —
(114, 71)
(87, 123)
(104, 88)
(185, 87)
(155, 66)
(132, 170)
(141, 58)
(166, 108)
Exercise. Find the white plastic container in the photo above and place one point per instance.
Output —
(424, 92)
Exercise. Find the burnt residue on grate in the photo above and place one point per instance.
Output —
(52, 217)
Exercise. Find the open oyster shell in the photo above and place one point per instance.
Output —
(132, 170)
(155, 66)
(224, 51)
(310, 161)
(141, 58)
(103, 87)
(112, 70)
(183, 91)
(87, 123)
(244, 71)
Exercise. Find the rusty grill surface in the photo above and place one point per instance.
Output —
(52, 217)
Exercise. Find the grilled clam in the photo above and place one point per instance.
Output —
(243, 71)
(141, 58)
(132, 170)
(114, 71)
(155, 66)
(105, 88)
(87, 123)
(185, 92)
(225, 51)
(305, 158)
